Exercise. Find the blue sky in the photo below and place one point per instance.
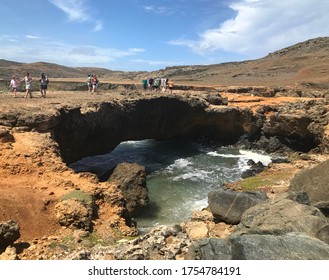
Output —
(132, 35)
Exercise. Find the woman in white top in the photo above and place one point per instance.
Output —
(13, 84)
(28, 84)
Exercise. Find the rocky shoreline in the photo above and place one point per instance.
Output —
(63, 215)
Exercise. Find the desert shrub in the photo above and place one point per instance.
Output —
(79, 195)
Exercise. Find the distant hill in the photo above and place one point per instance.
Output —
(305, 63)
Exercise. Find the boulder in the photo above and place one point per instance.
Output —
(315, 182)
(9, 233)
(216, 99)
(131, 179)
(74, 213)
(290, 246)
(228, 205)
(255, 168)
(281, 215)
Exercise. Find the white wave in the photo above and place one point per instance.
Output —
(194, 175)
(215, 154)
(245, 155)
(198, 205)
(256, 157)
(180, 163)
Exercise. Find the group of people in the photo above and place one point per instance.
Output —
(92, 83)
(158, 84)
(28, 84)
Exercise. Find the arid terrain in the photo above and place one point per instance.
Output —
(34, 177)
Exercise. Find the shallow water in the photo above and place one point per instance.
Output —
(180, 174)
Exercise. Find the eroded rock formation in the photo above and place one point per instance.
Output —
(39, 139)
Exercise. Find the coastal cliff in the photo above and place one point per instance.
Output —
(40, 137)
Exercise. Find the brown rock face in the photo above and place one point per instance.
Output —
(131, 179)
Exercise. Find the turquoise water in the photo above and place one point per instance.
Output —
(180, 174)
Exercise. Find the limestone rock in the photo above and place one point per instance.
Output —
(216, 99)
(280, 216)
(9, 233)
(74, 213)
(259, 247)
(228, 205)
(9, 254)
(196, 230)
(315, 182)
(131, 179)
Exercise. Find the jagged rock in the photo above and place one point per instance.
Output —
(259, 247)
(9, 254)
(228, 205)
(9, 233)
(5, 135)
(216, 99)
(315, 182)
(255, 168)
(75, 214)
(161, 243)
(280, 216)
(131, 179)
(196, 230)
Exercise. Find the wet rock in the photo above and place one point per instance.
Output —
(255, 168)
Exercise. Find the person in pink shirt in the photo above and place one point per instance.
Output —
(13, 84)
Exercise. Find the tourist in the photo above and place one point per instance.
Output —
(89, 83)
(144, 84)
(94, 82)
(170, 86)
(150, 82)
(13, 84)
(43, 84)
(28, 84)
(156, 84)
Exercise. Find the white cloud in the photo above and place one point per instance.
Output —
(262, 26)
(32, 37)
(27, 50)
(160, 10)
(77, 11)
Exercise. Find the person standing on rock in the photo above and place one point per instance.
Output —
(43, 85)
(28, 84)
(13, 84)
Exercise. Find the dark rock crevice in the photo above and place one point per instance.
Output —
(99, 128)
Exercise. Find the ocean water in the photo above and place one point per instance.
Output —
(180, 173)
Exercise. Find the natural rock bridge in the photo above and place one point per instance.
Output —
(100, 127)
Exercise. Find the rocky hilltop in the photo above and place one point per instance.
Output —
(278, 104)
(304, 64)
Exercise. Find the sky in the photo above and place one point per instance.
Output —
(146, 35)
